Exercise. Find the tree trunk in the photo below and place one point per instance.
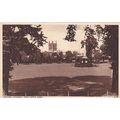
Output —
(6, 66)
(115, 78)
(89, 53)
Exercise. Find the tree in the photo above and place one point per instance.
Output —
(69, 56)
(75, 53)
(103, 48)
(60, 54)
(110, 48)
(109, 34)
(111, 43)
(16, 38)
(97, 56)
(90, 42)
(71, 31)
(99, 31)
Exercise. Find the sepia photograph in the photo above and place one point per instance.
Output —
(60, 59)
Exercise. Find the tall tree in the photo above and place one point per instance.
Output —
(71, 31)
(110, 48)
(111, 42)
(90, 42)
(17, 38)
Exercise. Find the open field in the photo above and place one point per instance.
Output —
(60, 80)
(65, 69)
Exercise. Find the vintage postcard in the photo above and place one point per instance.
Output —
(59, 59)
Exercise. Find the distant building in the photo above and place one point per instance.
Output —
(52, 46)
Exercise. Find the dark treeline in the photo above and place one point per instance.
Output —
(48, 57)
(57, 57)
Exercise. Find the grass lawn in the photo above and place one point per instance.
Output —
(61, 86)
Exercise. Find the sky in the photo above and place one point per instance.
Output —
(57, 31)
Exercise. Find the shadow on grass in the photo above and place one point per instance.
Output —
(61, 86)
